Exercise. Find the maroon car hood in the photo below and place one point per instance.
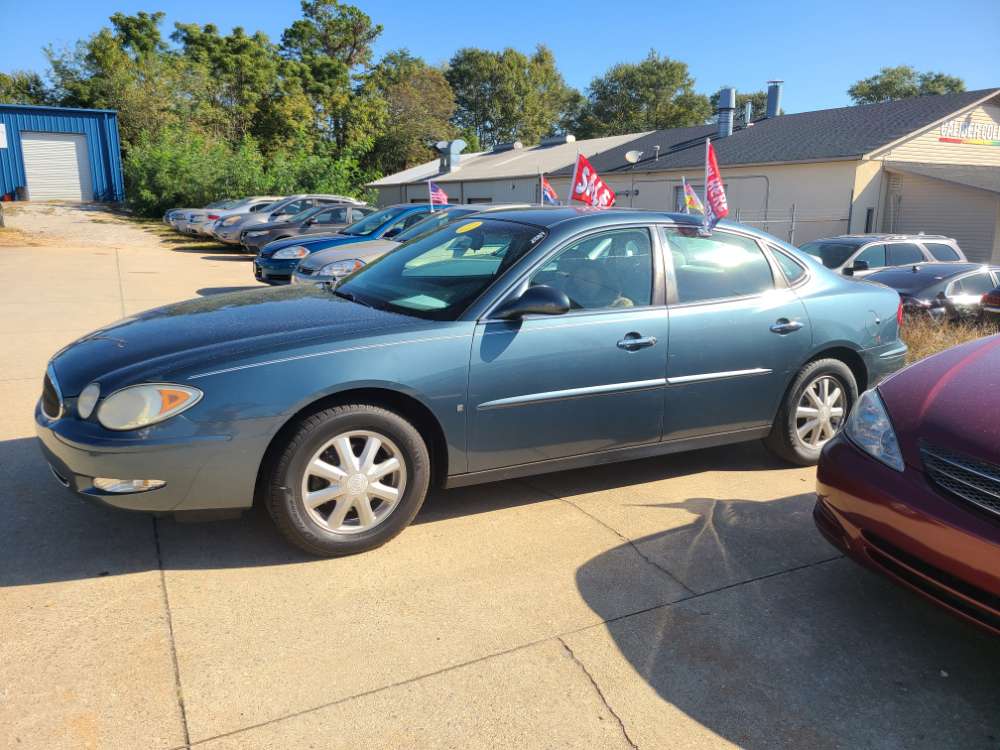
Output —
(950, 400)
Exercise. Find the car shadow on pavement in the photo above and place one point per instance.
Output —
(790, 654)
(50, 534)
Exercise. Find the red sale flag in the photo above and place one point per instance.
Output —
(716, 206)
(588, 187)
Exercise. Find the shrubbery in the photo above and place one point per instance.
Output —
(189, 169)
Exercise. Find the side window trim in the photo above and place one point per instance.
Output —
(779, 272)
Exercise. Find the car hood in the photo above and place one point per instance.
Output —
(950, 400)
(156, 344)
(275, 225)
(310, 244)
(363, 250)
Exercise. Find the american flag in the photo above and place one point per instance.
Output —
(438, 196)
(549, 194)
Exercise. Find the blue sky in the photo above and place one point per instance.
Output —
(818, 49)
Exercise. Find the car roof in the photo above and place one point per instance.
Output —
(549, 216)
(911, 276)
(860, 239)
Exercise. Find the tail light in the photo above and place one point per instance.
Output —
(899, 313)
(991, 299)
(212, 217)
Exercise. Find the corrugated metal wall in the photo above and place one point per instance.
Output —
(103, 148)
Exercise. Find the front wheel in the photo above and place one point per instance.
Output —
(813, 411)
(348, 480)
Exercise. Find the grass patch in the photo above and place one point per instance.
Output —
(10, 237)
(925, 337)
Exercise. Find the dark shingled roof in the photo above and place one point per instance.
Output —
(984, 178)
(806, 136)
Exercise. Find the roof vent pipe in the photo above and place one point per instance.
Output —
(727, 107)
(450, 153)
(747, 113)
(773, 98)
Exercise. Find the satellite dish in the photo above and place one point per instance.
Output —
(633, 156)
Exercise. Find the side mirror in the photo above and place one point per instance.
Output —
(859, 265)
(535, 300)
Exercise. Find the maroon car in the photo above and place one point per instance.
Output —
(911, 485)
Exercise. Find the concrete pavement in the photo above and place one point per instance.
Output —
(677, 602)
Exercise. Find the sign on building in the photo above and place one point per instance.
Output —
(3, 135)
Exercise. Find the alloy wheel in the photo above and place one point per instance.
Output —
(820, 412)
(354, 482)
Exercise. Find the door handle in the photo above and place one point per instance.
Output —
(783, 325)
(633, 342)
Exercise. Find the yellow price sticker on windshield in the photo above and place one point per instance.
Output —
(468, 227)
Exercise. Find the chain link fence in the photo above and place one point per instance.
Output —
(795, 225)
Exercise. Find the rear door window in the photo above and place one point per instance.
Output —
(721, 266)
(941, 251)
(332, 216)
(975, 284)
(905, 254)
(874, 256)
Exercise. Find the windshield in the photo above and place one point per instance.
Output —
(435, 221)
(373, 221)
(831, 254)
(439, 276)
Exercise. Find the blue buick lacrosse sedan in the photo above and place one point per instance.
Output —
(526, 341)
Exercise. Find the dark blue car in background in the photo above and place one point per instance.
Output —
(508, 344)
(276, 261)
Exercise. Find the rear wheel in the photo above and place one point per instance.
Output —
(814, 410)
(348, 479)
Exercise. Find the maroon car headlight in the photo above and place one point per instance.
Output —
(870, 429)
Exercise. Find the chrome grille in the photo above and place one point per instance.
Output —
(52, 405)
(970, 479)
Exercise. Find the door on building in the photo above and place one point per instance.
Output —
(57, 167)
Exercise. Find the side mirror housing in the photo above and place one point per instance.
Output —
(535, 300)
(858, 265)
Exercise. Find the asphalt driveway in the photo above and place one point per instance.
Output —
(678, 602)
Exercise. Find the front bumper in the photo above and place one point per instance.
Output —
(227, 235)
(272, 271)
(900, 525)
(255, 243)
(78, 451)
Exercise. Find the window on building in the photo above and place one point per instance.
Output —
(904, 254)
(941, 251)
(976, 284)
(873, 255)
(610, 269)
(717, 267)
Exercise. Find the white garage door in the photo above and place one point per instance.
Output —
(56, 166)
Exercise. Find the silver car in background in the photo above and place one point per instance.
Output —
(862, 254)
(313, 221)
(203, 223)
(230, 229)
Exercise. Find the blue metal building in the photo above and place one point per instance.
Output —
(55, 153)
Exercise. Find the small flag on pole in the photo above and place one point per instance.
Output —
(691, 200)
(588, 187)
(436, 195)
(549, 194)
(715, 194)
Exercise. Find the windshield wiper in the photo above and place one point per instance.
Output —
(351, 298)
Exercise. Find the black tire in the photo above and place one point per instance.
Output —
(283, 491)
(784, 440)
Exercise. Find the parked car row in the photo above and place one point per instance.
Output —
(466, 345)
(248, 223)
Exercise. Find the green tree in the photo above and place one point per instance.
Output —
(419, 107)
(505, 96)
(901, 82)
(23, 87)
(656, 93)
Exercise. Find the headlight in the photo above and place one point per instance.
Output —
(257, 233)
(87, 399)
(142, 405)
(229, 221)
(287, 253)
(869, 428)
(341, 268)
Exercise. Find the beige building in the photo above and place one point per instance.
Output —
(928, 164)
